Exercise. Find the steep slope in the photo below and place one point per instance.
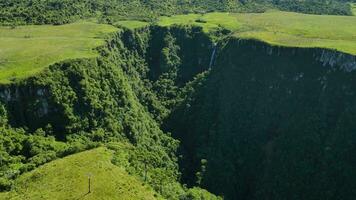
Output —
(271, 123)
(67, 178)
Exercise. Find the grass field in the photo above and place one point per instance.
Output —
(208, 21)
(131, 24)
(67, 179)
(26, 50)
(280, 28)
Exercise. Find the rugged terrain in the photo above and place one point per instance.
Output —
(247, 106)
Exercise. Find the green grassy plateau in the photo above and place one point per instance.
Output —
(131, 24)
(26, 50)
(67, 179)
(280, 28)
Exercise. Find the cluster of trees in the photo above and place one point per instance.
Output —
(326, 7)
(65, 11)
(21, 151)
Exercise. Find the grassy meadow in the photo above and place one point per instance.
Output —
(131, 24)
(280, 28)
(301, 30)
(67, 178)
(208, 21)
(26, 50)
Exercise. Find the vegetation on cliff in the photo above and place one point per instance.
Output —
(276, 127)
(193, 99)
(99, 100)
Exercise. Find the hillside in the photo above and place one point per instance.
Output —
(67, 178)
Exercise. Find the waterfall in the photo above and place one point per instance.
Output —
(212, 57)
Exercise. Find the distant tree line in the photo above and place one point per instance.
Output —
(65, 11)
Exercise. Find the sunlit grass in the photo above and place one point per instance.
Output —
(280, 28)
(208, 21)
(26, 50)
(131, 24)
(67, 178)
(300, 30)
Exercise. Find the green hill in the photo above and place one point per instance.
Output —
(67, 179)
(26, 50)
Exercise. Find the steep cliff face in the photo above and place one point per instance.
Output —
(271, 123)
(16, 97)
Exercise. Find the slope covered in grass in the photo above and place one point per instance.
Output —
(26, 50)
(280, 28)
(67, 179)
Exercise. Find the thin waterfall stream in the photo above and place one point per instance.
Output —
(212, 56)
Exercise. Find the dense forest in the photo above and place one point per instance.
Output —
(65, 11)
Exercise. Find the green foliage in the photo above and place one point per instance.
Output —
(3, 116)
(353, 8)
(315, 6)
(198, 194)
(21, 152)
(246, 125)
